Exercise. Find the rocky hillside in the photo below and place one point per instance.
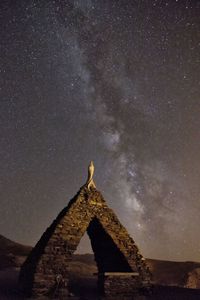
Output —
(8, 246)
(12, 254)
(172, 273)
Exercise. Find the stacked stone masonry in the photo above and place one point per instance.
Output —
(46, 270)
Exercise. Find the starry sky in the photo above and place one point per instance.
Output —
(116, 82)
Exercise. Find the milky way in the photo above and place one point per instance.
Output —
(112, 81)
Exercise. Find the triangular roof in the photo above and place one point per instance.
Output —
(114, 249)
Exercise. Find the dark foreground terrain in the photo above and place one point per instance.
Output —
(85, 288)
(169, 277)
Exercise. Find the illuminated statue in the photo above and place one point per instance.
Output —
(90, 182)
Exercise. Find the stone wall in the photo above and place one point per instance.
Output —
(126, 284)
(46, 271)
(47, 268)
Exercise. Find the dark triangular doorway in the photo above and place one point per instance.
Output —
(107, 255)
(103, 256)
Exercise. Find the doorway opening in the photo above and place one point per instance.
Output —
(95, 255)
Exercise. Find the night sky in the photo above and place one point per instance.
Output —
(116, 82)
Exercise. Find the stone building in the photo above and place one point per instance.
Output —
(121, 268)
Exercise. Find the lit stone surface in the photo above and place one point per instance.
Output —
(46, 270)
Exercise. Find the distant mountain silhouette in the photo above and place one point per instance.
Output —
(7, 246)
(12, 254)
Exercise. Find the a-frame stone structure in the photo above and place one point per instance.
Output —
(121, 268)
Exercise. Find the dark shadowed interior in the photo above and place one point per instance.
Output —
(107, 255)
